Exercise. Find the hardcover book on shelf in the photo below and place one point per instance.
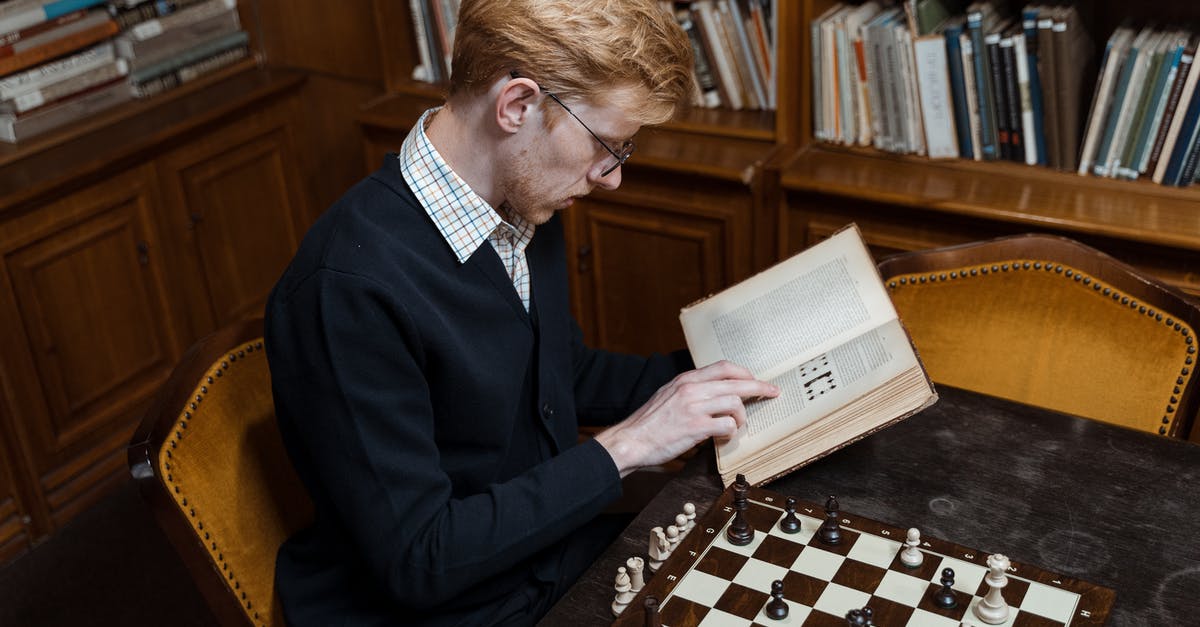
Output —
(709, 96)
(236, 39)
(1173, 52)
(133, 13)
(20, 127)
(49, 31)
(60, 41)
(1177, 104)
(1116, 55)
(195, 29)
(1141, 54)
(980, 17)
(1074, 54)
(1047, 69)
(974, 120)
(18, 14)
(191, 71)
(12, 37)
(1012, 95)
(1025, 96)
(61, 90)
(958, 90)
(80, 62)
(822, 327)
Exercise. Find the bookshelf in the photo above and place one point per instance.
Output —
(125, 236)
(716, 195)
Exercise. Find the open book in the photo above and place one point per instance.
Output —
(821, 326)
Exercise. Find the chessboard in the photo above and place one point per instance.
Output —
(709, 581)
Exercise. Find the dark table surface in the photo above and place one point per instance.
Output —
(1105, 504)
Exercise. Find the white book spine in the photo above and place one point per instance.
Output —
(933, 82)
(1028, 128)
(21, 15)
(973, 114)
(155, 27)
(722, 58)
(29, 80)
(424, 70)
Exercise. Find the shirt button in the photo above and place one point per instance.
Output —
(547, 411)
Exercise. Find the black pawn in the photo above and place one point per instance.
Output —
(652, 617)
(790, 523)
(868, 615)
(944, 597)
(854, 618)
(776, 608)
(739, 532)
(831, 531)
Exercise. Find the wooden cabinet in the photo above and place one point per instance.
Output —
(146, 233)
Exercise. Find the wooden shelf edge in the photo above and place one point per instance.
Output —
(70, 158)
(1132, 210)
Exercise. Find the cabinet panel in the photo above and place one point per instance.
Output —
(236, 204)
(91, 327)
(645, 251)
(14, 523)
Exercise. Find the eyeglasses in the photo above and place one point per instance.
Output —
(621, 155)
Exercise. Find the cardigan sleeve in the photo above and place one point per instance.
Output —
(355, 410)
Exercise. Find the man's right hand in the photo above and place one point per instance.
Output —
(694, 406)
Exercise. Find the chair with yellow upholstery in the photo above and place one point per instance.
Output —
(209, 459)
(1051, 322)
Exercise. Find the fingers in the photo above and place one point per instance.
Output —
(720, 370)
(729, 406)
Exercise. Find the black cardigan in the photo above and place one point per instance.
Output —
(432, 419)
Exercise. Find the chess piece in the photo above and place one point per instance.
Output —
(636, 577)
(868, 615)
(681, 525)
(660, 549)
(739, 532)
(993, 609)
(854, 618)
(689, 510)
(624, 590)
(652, 618)
(790, 523)
(830, 531)
(944, 597)
(911, 556)
(673, 538)
(776, 608)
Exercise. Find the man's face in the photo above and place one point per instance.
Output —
(564, 161)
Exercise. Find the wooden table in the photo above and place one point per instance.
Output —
(1085, 499)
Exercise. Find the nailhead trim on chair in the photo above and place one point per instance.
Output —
(1085, 280)
(201, 391)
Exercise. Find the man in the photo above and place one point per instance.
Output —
(428, 377)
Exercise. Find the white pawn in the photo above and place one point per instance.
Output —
(636, 580)
(624, 592)
(911, 556)
(681, 525)
(689, 510)
(660, 548)
(673, 538)
(992, 608)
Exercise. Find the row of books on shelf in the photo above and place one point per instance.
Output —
(733, 42)
(65, 60)
(935, 78)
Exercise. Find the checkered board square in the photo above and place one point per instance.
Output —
(712, 583)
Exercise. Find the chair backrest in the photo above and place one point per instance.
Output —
(209, 458)
(1051, 322)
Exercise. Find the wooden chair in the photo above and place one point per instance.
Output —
(209, 459)
(1051, 322)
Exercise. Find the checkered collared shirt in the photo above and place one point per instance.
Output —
(464, 219)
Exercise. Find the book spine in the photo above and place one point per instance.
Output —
(150, 10)
(864, 106)
(1101, 101)
(19, 128)
(1101, 167)
(195, 13)
(54, 35)
(1068, 72)
(972, 96)
(1173, 100)
(958, 90)
(1187, 174)
(709, 95)
(232, 40)
(736, 24)
(8, 39)
(63, 7)
(16, 84)
(1021, 62)
(1183, 143)
(1046, 69)
(63, 89)
(818, 96)
(1162, 94)
(941, 140)
(58, 47)
(916, 124)
(1012, 100)
(189, 72)
(983, 88)
(999, 101)
(1029, 18)
(23, 16)
(149, 51)
(725, 72)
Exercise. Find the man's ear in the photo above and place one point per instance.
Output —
(515, 103)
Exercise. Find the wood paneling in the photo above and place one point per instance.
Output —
(88, 330)
(319, 37)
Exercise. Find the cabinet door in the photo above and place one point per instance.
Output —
(641, 253)
(87, 335)
(14, 522)
(236, 207)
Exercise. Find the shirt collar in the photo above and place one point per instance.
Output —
(464, 219)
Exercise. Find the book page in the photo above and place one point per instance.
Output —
(792, 312)
(818, 387)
